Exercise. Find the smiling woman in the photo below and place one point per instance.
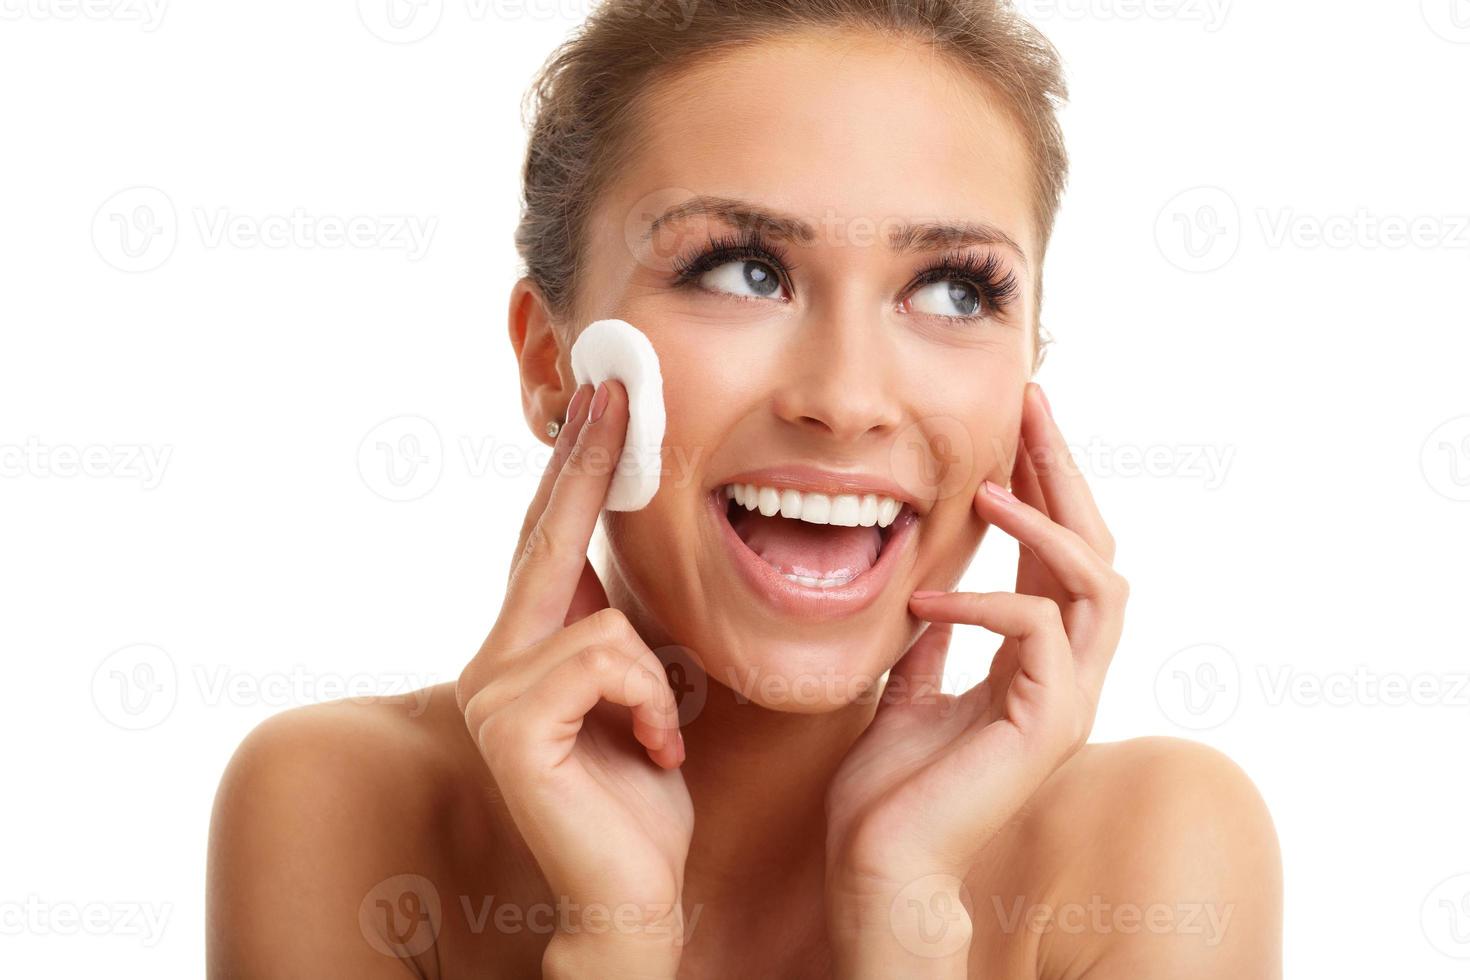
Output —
(727, 753)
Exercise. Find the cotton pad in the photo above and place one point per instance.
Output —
(617, 349)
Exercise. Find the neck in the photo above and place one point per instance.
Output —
(757, 777)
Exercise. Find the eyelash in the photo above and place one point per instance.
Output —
(997, 286)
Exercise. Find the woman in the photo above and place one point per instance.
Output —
(829, 218)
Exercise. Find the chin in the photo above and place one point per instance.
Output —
(832, 670)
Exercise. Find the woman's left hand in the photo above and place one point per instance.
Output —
(935, 776)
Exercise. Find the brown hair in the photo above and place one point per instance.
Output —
(583, 106)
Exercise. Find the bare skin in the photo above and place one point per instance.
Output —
(843, 835)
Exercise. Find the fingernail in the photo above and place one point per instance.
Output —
(599, 403)
(682, 754)
(996, 490)
(1045, 402)
(926, 594)
(575, 406)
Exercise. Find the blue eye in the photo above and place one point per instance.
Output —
(742, 277)
(744, 265)
(948, 297)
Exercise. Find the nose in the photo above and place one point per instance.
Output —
(841, 379)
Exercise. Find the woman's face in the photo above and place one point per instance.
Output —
(865, 327)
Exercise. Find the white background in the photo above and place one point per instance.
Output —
(1265, 381)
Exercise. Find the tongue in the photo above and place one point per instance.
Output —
(821, 551)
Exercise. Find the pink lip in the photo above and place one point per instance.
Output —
(806, 602)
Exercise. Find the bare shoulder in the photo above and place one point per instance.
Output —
(1152, 857)
(318, 807)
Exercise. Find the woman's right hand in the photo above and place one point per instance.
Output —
(550, 700)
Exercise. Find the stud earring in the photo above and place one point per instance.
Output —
(553, 427)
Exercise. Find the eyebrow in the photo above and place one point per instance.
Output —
(902, 238)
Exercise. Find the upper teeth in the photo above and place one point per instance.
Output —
(846, 509)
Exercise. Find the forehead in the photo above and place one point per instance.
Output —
(834, 129)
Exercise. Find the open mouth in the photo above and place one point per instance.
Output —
(813, 553)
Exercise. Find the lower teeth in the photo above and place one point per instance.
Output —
(820, 583)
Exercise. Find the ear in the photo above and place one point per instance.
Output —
(547, 384)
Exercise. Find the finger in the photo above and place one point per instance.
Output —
(1044, 667)
(551, 565)
(565, 439)
(1073, 562)
(1095, 593)
(558, 703)
(1068, 498)
(492, 682)
(589, 596)
(920, 671)
(1023, 479)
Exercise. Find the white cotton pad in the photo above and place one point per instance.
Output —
(617, 349)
